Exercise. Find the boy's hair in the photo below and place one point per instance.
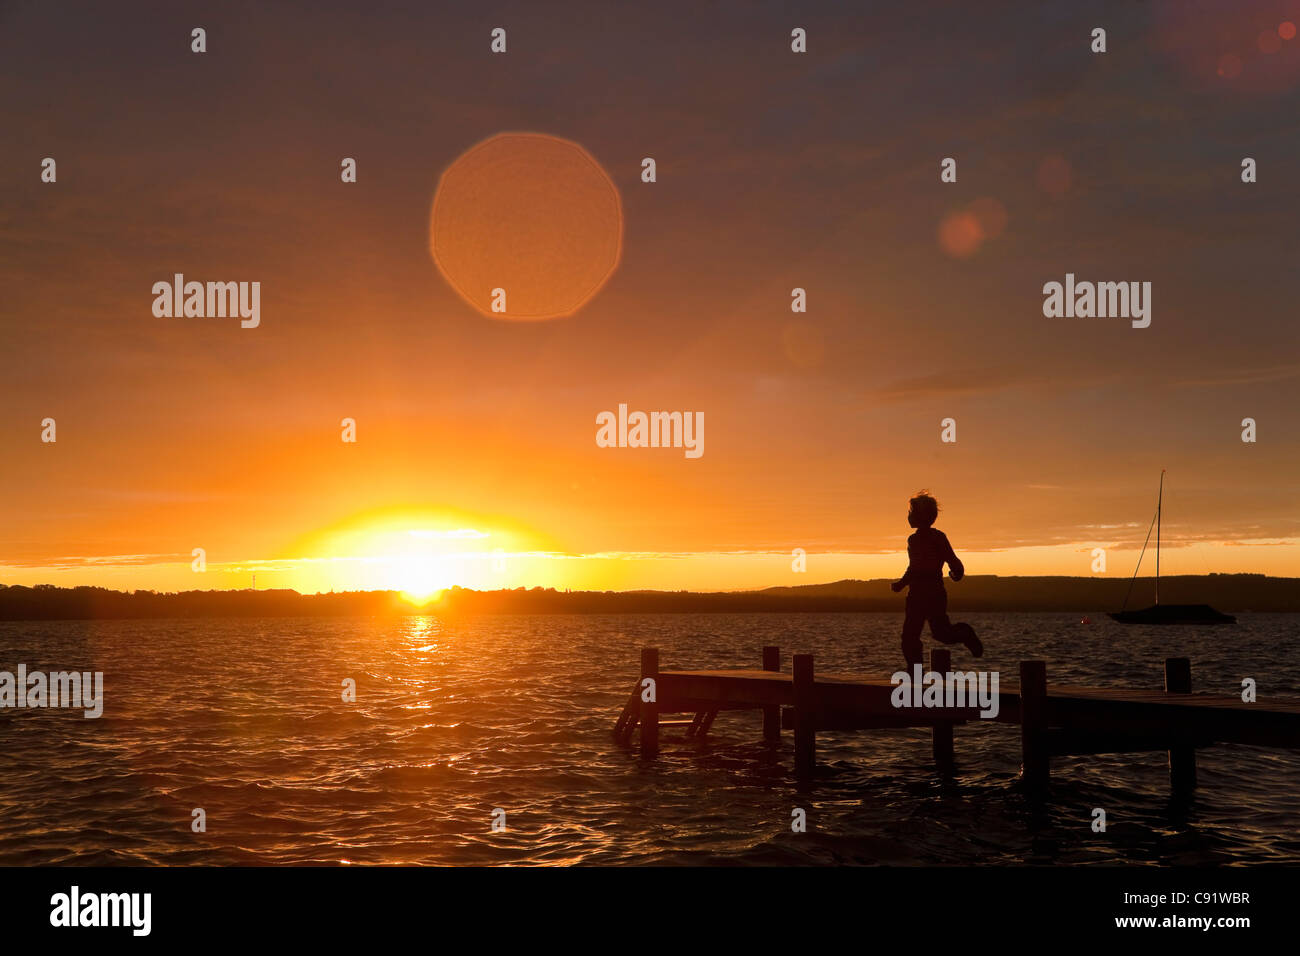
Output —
(924, 508)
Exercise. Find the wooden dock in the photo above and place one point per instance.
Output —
(1055, 720)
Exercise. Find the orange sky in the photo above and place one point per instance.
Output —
(476, 461)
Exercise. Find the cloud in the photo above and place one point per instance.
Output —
(100, 561)
(1274, 373)
(964, 382)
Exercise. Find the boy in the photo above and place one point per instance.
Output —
(927, 551)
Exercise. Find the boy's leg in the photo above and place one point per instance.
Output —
(959, 633)
(936, 611)
(946, 631)
(913, 621)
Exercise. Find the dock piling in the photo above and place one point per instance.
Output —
(772, 713)
(649, 709)
(941, 662)
(1182, 756)
(805, 733)
(1036, 767)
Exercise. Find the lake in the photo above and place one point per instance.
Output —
(453, 719)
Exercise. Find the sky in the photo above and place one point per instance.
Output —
(476, 459)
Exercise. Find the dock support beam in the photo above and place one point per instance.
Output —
(1036, 767)
(1182, 757)
(805, 734)
(941, 662)
(649, 709)
(771, 714)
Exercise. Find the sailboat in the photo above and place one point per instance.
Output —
(1166, 613)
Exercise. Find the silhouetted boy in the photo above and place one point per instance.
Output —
(927, 551)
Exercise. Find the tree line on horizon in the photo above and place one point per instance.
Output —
(1232, 592)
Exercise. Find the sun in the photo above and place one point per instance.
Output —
(420, 598)
(422, 562)
(420, 576)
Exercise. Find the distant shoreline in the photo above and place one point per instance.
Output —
(987, 593)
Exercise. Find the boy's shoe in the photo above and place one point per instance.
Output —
(971, 640)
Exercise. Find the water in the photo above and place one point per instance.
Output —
(455, 718)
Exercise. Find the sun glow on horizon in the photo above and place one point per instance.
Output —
(418, 552)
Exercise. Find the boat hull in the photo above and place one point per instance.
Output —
(1174, 614)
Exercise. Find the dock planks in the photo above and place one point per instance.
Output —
(1055, 719)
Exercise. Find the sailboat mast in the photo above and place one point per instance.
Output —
(1159, 502)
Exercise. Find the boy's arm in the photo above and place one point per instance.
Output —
(955, 568)
(903, 581)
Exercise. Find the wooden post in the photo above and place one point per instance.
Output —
(1033, 725)
(1182, 757)
(941, 662)
(772, 714)
(649, 709)
(805, 733)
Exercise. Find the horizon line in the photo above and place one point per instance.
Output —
(755, 590)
